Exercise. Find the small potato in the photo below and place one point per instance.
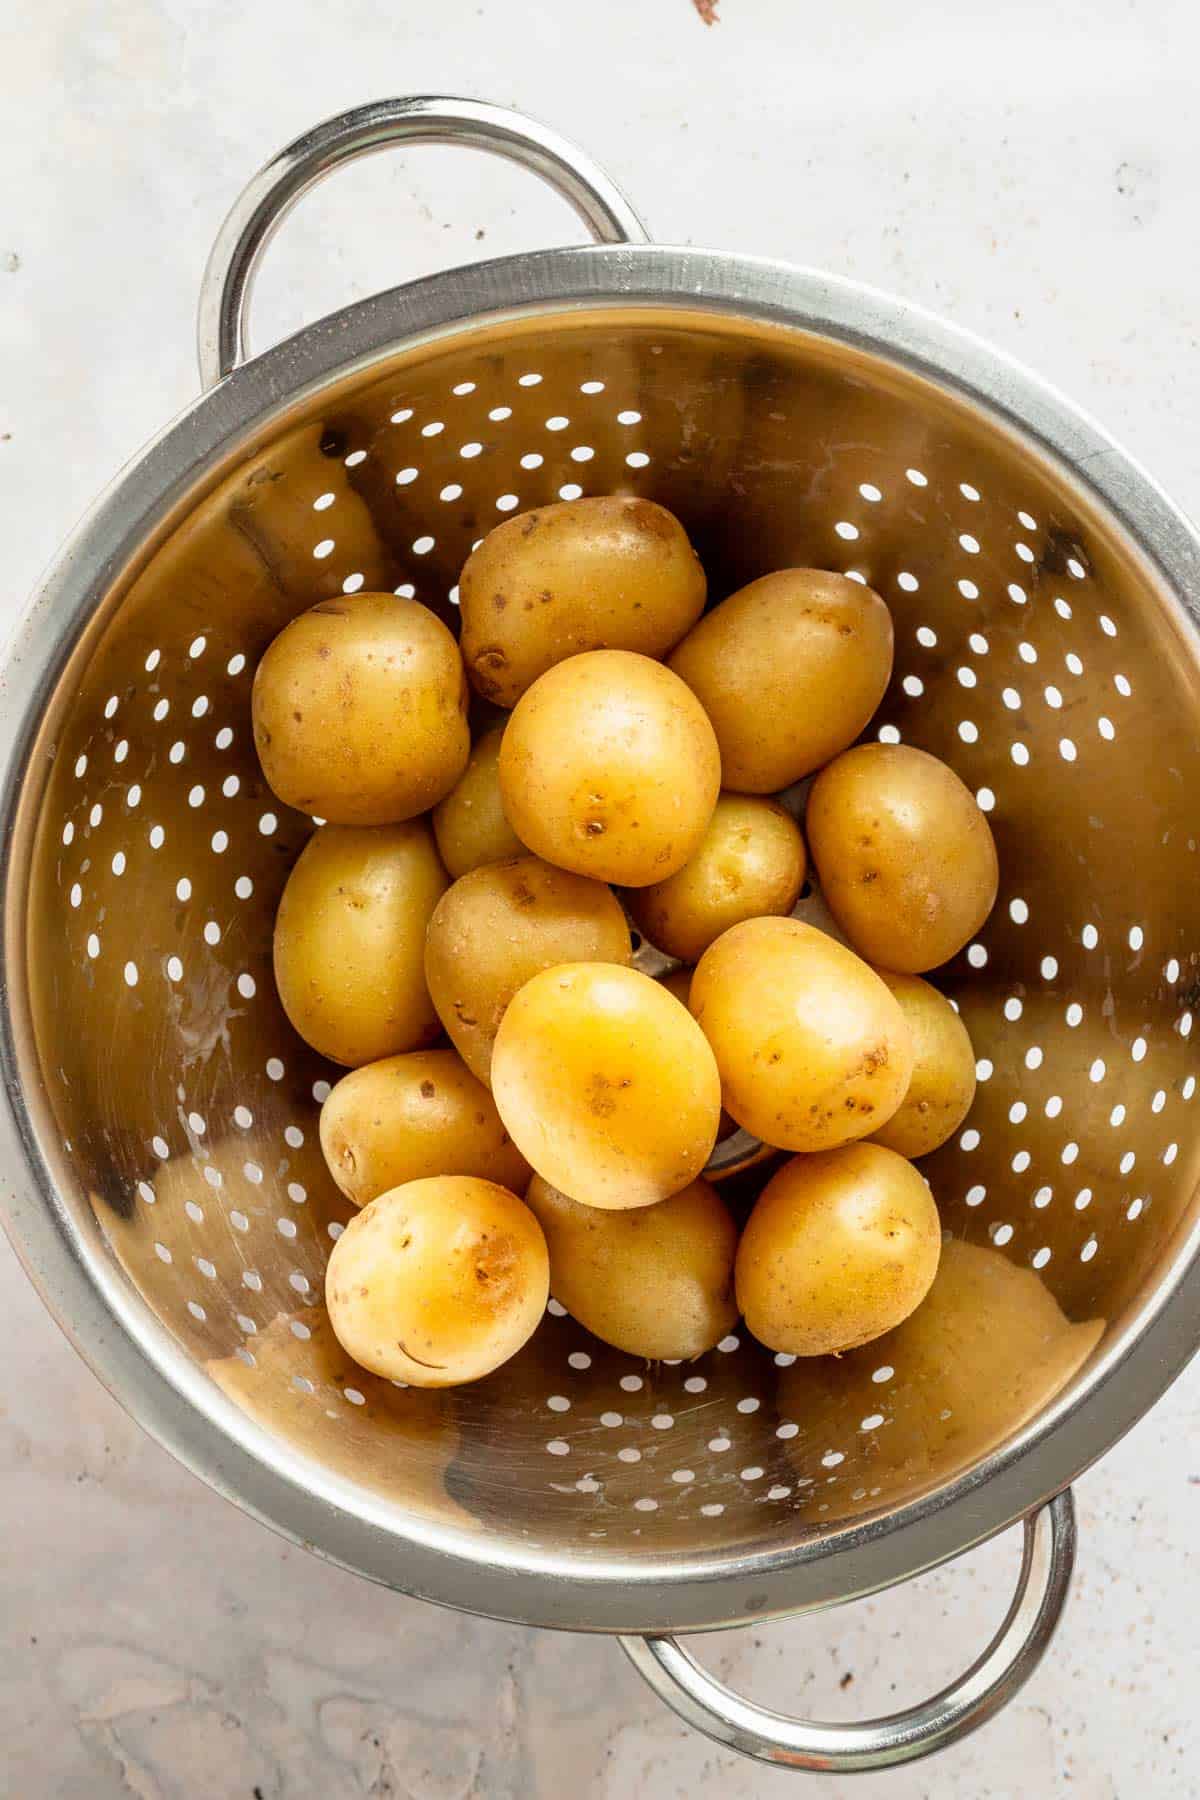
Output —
(500, 925)
(610, 768)
(906, 859)
(839, 1249)
(656, 1281)
(813, 1050)
(413, 1116)
(360, 711)
(750, 863)
(350, 940)
(469, 824)
(789, 670)
(606, 1085)
(943, 1079)
(438, 1282)
(600, 573)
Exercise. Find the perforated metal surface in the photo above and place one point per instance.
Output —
(1037, 652)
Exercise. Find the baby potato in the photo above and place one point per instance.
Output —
(750, 863)
(438, 1282)
(606, 1085)
(350, 940)
(501, 924)
(840, 1248)
(601, 573)
(789, 670)
(610, 768)
(906, 859)
(469, 824)
(656, 1281)
(360, 711)
(943, 1079)
(413, 1116)
(813, 1050)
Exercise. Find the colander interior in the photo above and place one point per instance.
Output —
(1037, 652)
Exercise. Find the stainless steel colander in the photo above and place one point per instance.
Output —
(167, 1192)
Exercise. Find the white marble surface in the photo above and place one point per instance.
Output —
(1029, 172)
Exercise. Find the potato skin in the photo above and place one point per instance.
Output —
(906, 859)
(601, 573)
(410, 1117)
(655, 1281)
(840, 1248)
(360, 711)
(789, 669)
(438, 1282)
(501, 924)
(470, 823)
(813, 1050)
(750, 863)
(350, 940)
(606, 1085)
(943, 1079)
(610, 768)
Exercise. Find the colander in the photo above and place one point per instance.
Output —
(167, 1192)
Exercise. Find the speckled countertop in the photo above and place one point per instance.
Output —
(1030, 175)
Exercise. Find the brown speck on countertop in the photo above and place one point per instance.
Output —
(10, 262)
(707, 10)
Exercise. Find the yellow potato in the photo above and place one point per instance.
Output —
(790, 670)
(606, 1085)
(986, 1350)
(656, 1281)
(602, 573)
(350, 940)
(360, 711)
(840, 1248)
(813, 1050)
(943, 1079)
(413, 1116)
(610, 768)
(438, 1282)
(906, 859)
(469, 824)
(502, 924)
(750, 862)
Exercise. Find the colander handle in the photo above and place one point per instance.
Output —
(990, 1682)
(270, 196)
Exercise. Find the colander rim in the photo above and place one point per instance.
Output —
(116, 1332)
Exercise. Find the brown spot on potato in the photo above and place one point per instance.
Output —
(601, 1100)
(651, 520)
(428, 1090)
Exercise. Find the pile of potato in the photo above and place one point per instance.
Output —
(483, 893)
